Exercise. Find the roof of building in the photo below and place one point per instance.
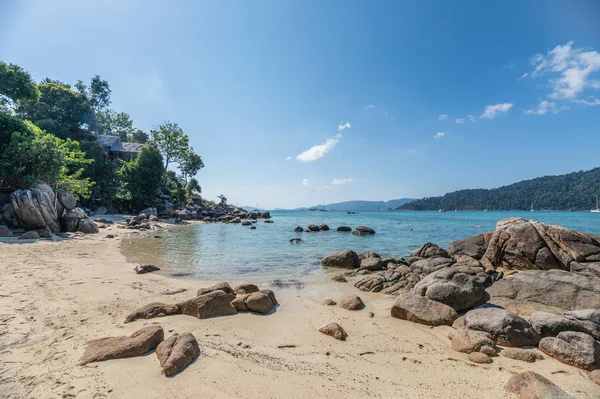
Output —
(114, 144)
(132, 147)
(107, 141)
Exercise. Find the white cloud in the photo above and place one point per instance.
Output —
(568, 70)
(460, 121)
(439, 135)
(319, 151)
(288, 158)
(305, 182)
(343, 126)
(593, 101)
(492, 111)
(542, 108)
(337, 182)
(369, 106)
(471, 118)
(442, 117)
(524, 75)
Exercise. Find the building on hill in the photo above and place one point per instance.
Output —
(115, 149)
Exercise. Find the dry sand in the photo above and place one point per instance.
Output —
(55, 296)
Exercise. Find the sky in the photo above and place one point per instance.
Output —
(300, 103)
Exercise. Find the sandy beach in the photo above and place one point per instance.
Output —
(56, 296)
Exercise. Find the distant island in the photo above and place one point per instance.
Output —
(357, 206)
(574, 191)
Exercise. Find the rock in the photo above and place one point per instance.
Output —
(334, 330)
(246, 223)
(459, 323)
(344, 229)
(29, 235)
(295, 240)
(338, 278)
(240, 302)
(110, 236)
(555, 288)
(70, 220)
(467, 341)
(473, 247)
(346, 259)
(35, 208)
(573, 348)
(312, 227)
(5, 231)
(488, 350)
(368, 254)
(421, 310)
(152, 310)
(352, 302)
(149, 211)
(363, 231)
(184, 214)
(225, 287)
(246, 288)
(587, 319)
(67, 199)
(100, 211)
(299, 229)
(265, 215)
(268, 221)
(323, 227)
(478, 357)
(595, 376)
(138, 343)
(262, 301)
(506, 328)
(177, 352)
(252, 227)
(525, 355)
(329, 302)
(103, 220)
(143, 269)
(372, 264)
(211, 304)
(429, 250)
(530, 385)
(86, 226)
(550, 324)
(457, 287)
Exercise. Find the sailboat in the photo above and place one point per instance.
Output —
(597, 210)
(532, 210)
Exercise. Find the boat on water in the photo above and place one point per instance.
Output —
(597, 210)
(532, 210)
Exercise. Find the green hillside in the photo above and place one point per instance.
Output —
(573, 191)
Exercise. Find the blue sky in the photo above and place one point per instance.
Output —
(258, 84)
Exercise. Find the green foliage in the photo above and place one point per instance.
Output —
(139, 136)
(223, 200)
(141, 178)
(177, 186)
(573, 191)
(16, 85)
(192, 190)
(112, 123)
(172, 142)
(102, 171)
(190, 163)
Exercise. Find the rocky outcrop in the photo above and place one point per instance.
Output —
(77, 220)
(530, 385)
(470, 250)
(138, 343)
(458, 287)
(418, 309)
(346, 259)
(313, 227)
(505, 328)
(573, 348)
(363, 231)
(334, 330)
(212, 304)
(428, 250)
(352, 302)
(557, 289)
(36, 209)
(66, 199)
(467, 341)
(177, 352)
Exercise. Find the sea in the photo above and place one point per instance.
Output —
(265, 255)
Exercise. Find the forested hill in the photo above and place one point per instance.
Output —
(573, 191)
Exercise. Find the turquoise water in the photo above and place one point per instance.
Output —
(230, 251)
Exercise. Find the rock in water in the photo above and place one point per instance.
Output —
(299, 229)
(478, 357)
(352, 302)
(212, 304)
(152, 310)
(312, 227)
(421, 310)
(525, 355)
(245, 289)
(573, 348)
(344, 229)
(334, 330)
(177, 352)
(346, 259)
(323, 227)
(530, 385)
(143, 269)
(506, 328)
(139, 343)
(295, 240)
(467, 341)
(363, 231)
(225, 287)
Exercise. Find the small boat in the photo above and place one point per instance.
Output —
(442, 210)
(532, 210)
(597, 210)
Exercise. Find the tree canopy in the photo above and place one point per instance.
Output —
(16, 85)
(171, 141)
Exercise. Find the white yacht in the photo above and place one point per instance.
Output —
(597, 208)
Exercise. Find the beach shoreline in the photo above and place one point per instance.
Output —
(56, 296)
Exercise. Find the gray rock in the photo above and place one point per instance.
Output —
(473, 247)
(149, 211)
(530, 385)
(298, 229)
(29, 235)
(344, 229)
(87, 226)
(467, 341)
(587, 319)
(261, 302)
(573, 348)
(525, 355)
(345, 259)
(550, 324)
(295, 240)
(223, 286)
(67, 199)
(506, 328)
(478, 357)
(363, 231)
(323, 227)
(152, 310)
(372, 264)
(429, 250)
(246, 288)
(35, 208)
(71, 219)
(5, 231)
(421, 310)
(312, 227)
(352, 302)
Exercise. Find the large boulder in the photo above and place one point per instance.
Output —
(363, 231)
(473, 247)
(419, 309)
(530, 385)
(429, 250)
(86, 226)
(246, 288)
(66, 199)
(456, 286)
(573, 348)
(550, 325)
(557, 289)
(506, 328)
(223, 286)
(138, 343)
(35, 208)
(261, 302)
(177, 352)
(587, 319)
(346, 259)
(212, 304)
(352, 302)
(5, 231)
(77, 220)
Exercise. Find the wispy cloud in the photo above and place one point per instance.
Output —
(593, 101)
(542, 108)
(439, 135)
(305, 182)
(410, 151)
(510, 65)
(288, 158)
(369, 106)
(343, 126)
(492, 111)
(460, 120)
(442, 117)
(471, 118)
(337, 182)
(319, 151)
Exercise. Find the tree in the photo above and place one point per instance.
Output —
(192, 190)
(116, 124)
(103, 171)
(139, 136)
(142, 177)
(190, 164)
(172, 142)
(16, 85)
(223, 200)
